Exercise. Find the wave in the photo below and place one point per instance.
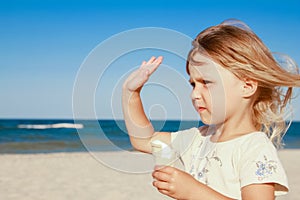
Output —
(48, 126)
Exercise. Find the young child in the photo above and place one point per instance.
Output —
(237, 91)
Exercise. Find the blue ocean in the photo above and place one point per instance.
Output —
(48, 136)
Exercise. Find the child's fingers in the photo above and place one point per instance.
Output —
(158, 60)
(160, 176)
(150, 61)
(165, 192)
(147, 68)
(166, 169)
(140, 77)
(153, 65)
(160, 185)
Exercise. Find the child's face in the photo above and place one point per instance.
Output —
(216, 91)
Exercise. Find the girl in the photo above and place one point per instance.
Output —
(237, 93)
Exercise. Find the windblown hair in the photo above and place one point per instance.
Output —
(245, 55)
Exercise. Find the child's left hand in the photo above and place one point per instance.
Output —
(174, 182)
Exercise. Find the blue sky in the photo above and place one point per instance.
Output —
(43, 43)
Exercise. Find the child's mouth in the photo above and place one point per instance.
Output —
(201, 109)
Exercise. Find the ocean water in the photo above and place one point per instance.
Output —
(46, 136)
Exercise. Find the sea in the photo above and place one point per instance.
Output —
(27, 136)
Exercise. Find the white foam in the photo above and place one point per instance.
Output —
(47, 126)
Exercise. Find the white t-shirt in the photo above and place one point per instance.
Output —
(228, 166)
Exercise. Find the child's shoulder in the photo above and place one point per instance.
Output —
(255, 143)
(255, 138)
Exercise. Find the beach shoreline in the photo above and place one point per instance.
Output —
(86, 176)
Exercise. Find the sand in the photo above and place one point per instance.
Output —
(84, 176)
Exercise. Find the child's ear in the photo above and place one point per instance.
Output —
(249, 88)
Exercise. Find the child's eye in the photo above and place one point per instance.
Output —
(192, 84)
(206, 82)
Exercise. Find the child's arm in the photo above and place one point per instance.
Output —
(263, 191)
(139, 128)
(181, 185)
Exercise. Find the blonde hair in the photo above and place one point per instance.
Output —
(245, 55)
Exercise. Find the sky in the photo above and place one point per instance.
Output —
(45, 44)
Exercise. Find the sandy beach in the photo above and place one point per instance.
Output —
(84, 176)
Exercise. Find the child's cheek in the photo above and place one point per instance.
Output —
(218, 104)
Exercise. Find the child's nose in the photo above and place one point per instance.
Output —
(196, 93)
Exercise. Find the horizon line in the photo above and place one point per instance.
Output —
(90, 119)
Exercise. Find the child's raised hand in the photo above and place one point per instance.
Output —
(174, 182)
(138, 78)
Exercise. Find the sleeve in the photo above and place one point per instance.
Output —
(260, 164)
(182, 140)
